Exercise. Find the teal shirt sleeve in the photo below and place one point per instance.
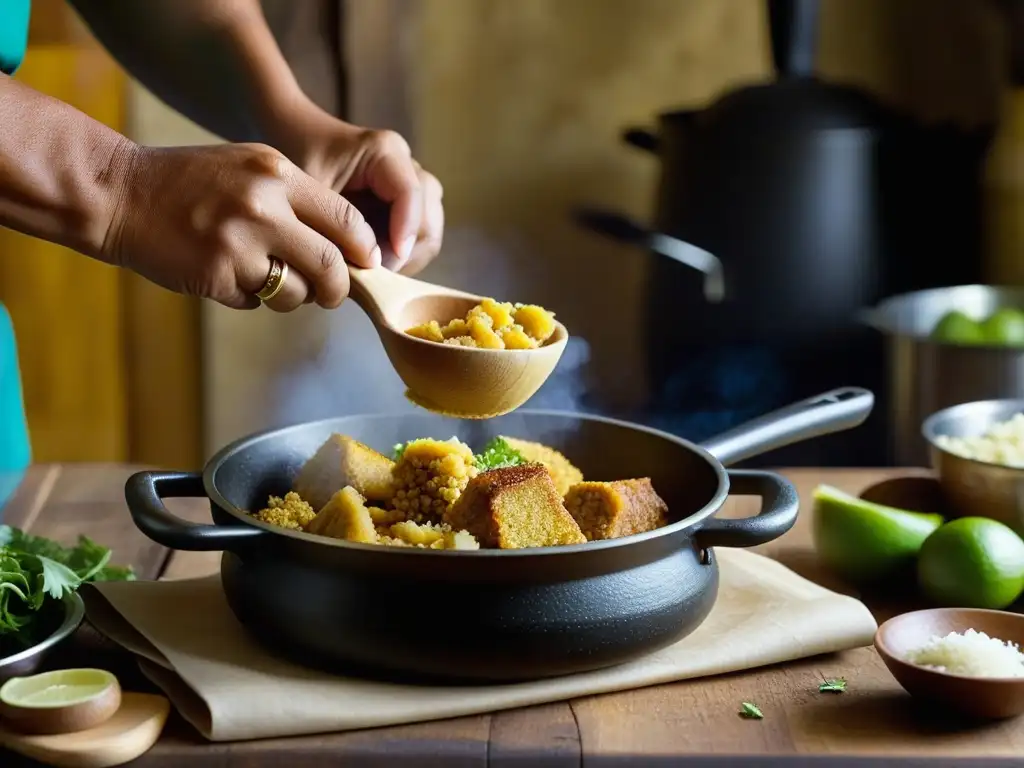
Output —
(13, 33)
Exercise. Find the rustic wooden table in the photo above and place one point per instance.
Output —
(695, 722)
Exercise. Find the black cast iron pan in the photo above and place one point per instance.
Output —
(487, 615)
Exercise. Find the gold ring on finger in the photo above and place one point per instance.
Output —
(275, 280)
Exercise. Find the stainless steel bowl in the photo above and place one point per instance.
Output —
(28, 661)
(976, 488)
(926, 375)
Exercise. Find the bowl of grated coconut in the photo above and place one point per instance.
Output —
(964, 659)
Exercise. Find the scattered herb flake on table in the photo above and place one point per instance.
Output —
(750, 711)
(36, 573)
(838, 685)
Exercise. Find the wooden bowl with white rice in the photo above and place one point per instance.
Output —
(964, 660)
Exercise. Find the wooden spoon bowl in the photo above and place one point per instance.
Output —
(989, 698)
(458, 381)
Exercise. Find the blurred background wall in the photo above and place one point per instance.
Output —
(517, 106)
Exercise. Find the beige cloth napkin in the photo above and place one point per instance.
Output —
(189, 643)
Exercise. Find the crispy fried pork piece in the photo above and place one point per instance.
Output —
(342, 461)
(514, 507)
(619, 508)
(561, 469)
(346, 517)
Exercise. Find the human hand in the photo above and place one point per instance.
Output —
(205, 221)
(351, 160)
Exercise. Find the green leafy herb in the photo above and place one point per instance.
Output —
(750, 711)
(832, 686)
(397, 451)
(497, 454)
(36, 572)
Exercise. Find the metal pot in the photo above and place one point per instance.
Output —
(495, 615)
(927, 376)
(771, 194)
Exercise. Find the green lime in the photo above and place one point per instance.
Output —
(957, 328)
(1006, 326)
(973, 562)
(865, 542)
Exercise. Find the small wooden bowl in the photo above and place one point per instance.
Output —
(990, 698)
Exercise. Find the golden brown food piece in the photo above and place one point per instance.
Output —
(290, 512)
(426, 536)
(346, 517)
(495, 314)
(514, 507)
(515, 337)
(385, 517)
(619, 508)
(483, 333)
(535, 321)
(563, 472)
(429, 331)
(492, 325)
(342, 461)
(429, 477)
(460, 341)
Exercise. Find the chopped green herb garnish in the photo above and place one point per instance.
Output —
(397, 451)
(497, 454)
(35, 571)
(750, 711)
(833, 686)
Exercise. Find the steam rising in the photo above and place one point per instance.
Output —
(352, 374)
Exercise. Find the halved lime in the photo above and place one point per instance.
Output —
(56, 689)
(865, 542)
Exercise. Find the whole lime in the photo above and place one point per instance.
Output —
(957, 328)
(1005, 326)
(866, 543)
(972, 562)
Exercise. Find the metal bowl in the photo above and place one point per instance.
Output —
(925, 375)
(972, 487)
(28, 661)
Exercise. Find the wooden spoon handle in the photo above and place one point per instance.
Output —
(381, 292)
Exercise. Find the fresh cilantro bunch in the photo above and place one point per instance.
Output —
(35, 572)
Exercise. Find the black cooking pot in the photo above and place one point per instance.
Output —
(494, 615)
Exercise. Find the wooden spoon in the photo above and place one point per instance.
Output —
(458, 381)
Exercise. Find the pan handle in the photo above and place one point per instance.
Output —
(779, 506)
(145, 492)
(625, 230)
(835, 411)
